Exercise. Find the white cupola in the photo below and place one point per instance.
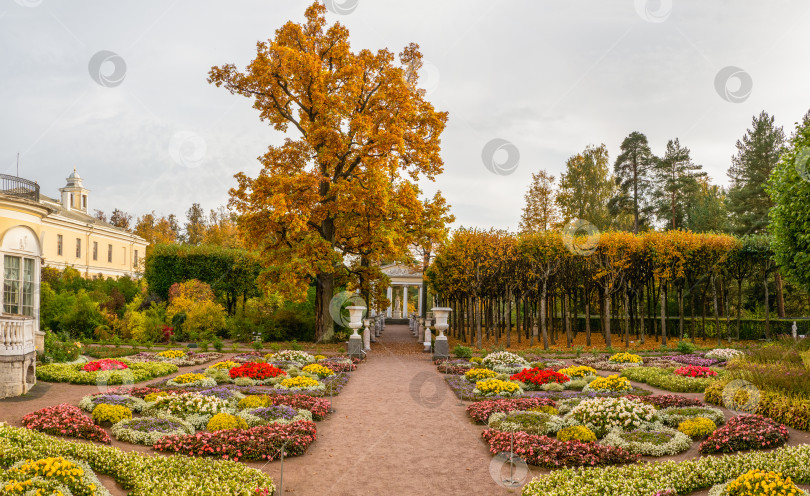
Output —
(74, 195)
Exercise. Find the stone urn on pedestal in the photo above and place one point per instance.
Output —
(355, 322)
(441, 349)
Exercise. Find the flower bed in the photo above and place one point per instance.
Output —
(226, 365)
(724, 354)
(141, 475)
(256, 371)
(479, 374)
(482, 410)
(191, 380)
(73, 373)
(319, 407)
(526, 421)
(175, 357)
(656, 442)
(51, 475)
(317, 369)
(65, 420)
(497, 387)
(695, 371)
(503, 358)
(576, 433)
(578, 371)
(697, 427)
(256, 443)
(224, 422)
(683, 477)
(89, 402)
(535, 377)
(300, 357)
(673, 416)
(758, 483)
(745, 432)
(625, 358)
(339, 364)
(693, 359)
(110, 413)
(148, 430)
(300, 382)
(104, 364)
(195, 408)
(547, 452)
(667, 400)
(665, 379)
(274, 414)
(609, 384)
(604, 414)
(791, 411)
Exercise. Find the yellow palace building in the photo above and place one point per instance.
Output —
(37, 231)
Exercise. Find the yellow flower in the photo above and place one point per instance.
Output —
(474, 375)
(318, 370)
(578, 371)
(301, 381)
(625, 358)
(611, 383)
(188, 378)
(172, 354)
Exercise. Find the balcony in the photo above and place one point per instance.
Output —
(17, 335)
(19, 187)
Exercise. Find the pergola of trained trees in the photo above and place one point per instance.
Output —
(550, 285)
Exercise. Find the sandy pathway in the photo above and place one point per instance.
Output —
(397, 429)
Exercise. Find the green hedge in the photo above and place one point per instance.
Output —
(230, 272)
(666, 379)
(73, 373)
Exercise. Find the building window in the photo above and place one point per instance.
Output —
(95, 250)
(84, 202)
(18, 285)
(71, 201)
(124, 258)
(58, 244)
(109, 253)
(136, 258)
(78, 247)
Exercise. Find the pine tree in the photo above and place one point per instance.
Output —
(706, 210)
(541, 212)
(586, 186)
(758, 153)
(632, 170)
(676, 178)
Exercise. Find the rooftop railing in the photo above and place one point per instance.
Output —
(19, 187)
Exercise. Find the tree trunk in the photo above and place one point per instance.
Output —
(606, 319)
(680, 312)
(767, 311)
(716, 311)
(626, 320)
(566, 320)
(324, 290)
(587, 319)
(509, 320)
(780, 297)
(543, 310)
(663, 313)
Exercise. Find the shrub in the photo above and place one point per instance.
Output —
(480, 411)
(60, 350)
(535, 377)
(685, 347)
(745, 432)
(256, 443)
(204, 321)
(697, 427)
(65, 420)
(225, 421)
(576, 433)
(547, 452)
(603, 414)
(462, 351)
(475, 375)
(111, 413)
(609, 384)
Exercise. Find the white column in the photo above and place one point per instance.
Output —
(389, 294)
(419, 303)
(404, 301)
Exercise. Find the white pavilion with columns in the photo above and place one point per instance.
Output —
(405, 283)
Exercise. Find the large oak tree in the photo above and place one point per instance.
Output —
(358, 131)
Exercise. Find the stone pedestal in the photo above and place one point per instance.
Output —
(355, 346)
(39, 339)
(428, 339)
(17, 374)
(366, 335)
(441, 348)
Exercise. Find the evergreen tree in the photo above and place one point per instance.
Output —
(541, 212)
(758, 153)
(676, 178)
(706, 209)
(586, 187)
(195, 226)
(632, 170)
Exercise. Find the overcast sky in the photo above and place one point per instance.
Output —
(149, 133)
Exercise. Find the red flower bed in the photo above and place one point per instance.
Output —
(547, 452)
(318, 406)
(65, 420)
(745, 432)
(481, 410)
(538, 377)
(257, 443)
(695, 371)
(666, 401)
(257, 371)
(104, 364)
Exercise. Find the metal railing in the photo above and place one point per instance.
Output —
(19, 187)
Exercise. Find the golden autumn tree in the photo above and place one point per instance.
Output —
(357, 128)
(157, 230)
